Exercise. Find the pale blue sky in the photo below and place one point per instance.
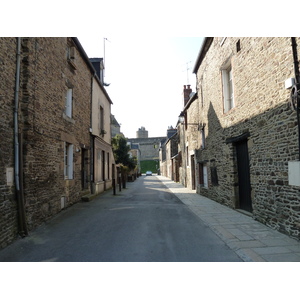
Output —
(146, 76)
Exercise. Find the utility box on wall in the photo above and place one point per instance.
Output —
(294, 173)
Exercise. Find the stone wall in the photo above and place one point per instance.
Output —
(260, 67)
(149, 147)
(46, 75)
(191, 136)
(8, 209)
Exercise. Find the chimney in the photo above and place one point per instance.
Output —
(171, 131)
(186, 93)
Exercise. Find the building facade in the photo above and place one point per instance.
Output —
(103, 162)
(169, 158)
(148, 150)
(248, 149)
(46, 125)
(8, 203)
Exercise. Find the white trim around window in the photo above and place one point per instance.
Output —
(69, 102)
(68, 160)
(228, 96)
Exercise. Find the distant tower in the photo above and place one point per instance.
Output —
(142, 133)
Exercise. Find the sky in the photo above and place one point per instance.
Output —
(150, 44)
(146, 75)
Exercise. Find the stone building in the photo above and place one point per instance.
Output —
(115, 127)
(189, 138)
(148, 150)
(103, 163)
(169, 158)
(247, 140)
(52, 101)
(8, 196)
(142, 133)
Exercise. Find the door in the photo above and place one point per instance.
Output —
(103, 165)
(84, 169)
(193, 170)
(244, 175)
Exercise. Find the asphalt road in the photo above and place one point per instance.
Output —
(143, 223)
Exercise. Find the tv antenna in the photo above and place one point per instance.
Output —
(187, 71)
(105, 39)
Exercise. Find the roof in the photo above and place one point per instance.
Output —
(193, 97)
(89, 64)
(204, 48)
(114, 120)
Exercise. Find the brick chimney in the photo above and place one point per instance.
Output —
(186, 93)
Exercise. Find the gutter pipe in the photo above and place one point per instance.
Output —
(23, 231)
(16, 108)
(296, 62)
(296, 71)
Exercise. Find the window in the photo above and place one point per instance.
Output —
(227, 89)
(101, 123)
(203, 179)
(103, 165)
(108, 173)
(214, 176)
(238, 46)
(68, 161)
(187, 156)
(71, 56)
(69, 103)
(202, 137)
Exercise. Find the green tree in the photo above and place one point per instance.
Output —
(121, 149)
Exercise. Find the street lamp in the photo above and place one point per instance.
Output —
(181, 121)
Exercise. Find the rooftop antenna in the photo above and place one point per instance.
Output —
(105, 39)
(187, 71)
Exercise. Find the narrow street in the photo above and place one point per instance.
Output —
(145, 222)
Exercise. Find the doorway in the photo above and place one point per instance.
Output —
(243, 175)
(193, 170)
(84, 169)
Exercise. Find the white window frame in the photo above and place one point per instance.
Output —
(203, 140)
(101, 119)
(205, 176)
(228, 92)
(69, 103)
(68, 160)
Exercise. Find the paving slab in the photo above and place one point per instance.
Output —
(250, 239)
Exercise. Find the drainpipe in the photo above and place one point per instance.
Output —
(295, 89)
(18, 184)
(296, 62)
(16, 131)
(91, 140)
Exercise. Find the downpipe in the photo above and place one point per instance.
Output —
(23, 231)
(295, 95)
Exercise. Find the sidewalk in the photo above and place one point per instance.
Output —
(250, 239)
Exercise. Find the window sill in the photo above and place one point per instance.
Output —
(67, 118)
(71, 62)
(202, 186)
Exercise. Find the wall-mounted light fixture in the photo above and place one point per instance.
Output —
(181, 120)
